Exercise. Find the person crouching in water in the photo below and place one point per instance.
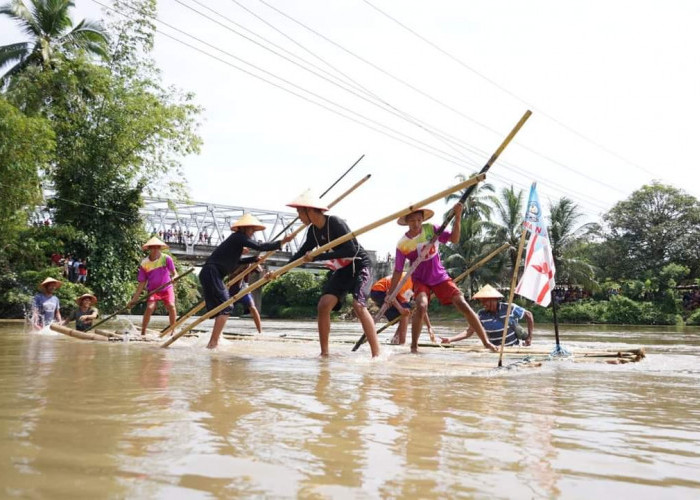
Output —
(155, 271)
(491, 317)
(86, 312)
(247, 301)
(350, 265)
(46, 308)
(223, 260)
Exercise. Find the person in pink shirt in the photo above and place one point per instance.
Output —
(430, 277)
(155, 271)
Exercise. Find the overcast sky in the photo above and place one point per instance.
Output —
(613, 86)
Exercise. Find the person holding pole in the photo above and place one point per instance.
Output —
(156, 270)
(223, 260)
(350, 265)
(430, 277)
(492, 318)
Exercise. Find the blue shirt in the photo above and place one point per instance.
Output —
(47, 307)
(493, 323)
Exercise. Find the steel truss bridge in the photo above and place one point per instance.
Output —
(193, 230)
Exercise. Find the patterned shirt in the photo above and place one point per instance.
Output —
(493, 323)
(156, 272)
(430, 272)
(47, 307)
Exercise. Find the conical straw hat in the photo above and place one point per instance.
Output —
(90, 296)
(307, 200)
(154, 242)
(487, 292)
(248, 221)
(427, 214)
(49, 280)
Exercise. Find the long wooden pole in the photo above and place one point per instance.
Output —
(264, 257)
(450, 215)
(161, 287)
(318, 251)
(506, 320)
(459, 278)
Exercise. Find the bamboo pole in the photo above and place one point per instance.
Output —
(108, 334)
(511, 292)
(161, 287)
(450, 214)
(77, 333)
(459, 278)
(264, 257)
(318, 251)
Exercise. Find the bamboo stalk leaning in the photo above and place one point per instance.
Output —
(511, 293)
(143, 299)
(321, 249)
(263, 258)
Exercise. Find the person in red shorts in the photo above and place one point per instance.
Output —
(430, 277)
(155, 271)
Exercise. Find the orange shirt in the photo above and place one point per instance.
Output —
(384, 284)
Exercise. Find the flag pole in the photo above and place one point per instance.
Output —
(559, 350)
(511, 293)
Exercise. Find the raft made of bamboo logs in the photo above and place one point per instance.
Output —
(77, 333)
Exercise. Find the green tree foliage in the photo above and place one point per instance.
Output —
(656, 225)
(26, 145)
(569, 243)
(51, 33)
(293, 294)
(118, 133)
(507, 227)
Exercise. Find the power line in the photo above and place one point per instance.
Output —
(510, 93)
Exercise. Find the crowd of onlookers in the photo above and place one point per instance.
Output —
(570, 294)
(75, 270)
(182, 237)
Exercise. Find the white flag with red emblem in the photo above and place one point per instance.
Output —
(537, 281)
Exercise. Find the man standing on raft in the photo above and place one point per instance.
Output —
(352, 269)
(223, 260)
(430, 275)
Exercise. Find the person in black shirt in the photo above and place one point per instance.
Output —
(223, 260)
(352, 269)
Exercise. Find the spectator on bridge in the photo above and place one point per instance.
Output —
(223, 260)
(155, 271)
(352, 269)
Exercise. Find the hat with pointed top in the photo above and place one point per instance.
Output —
(307, 200)
(427, 214)
(248, 220)
(48, 281)
(154, 242)
(487, 292)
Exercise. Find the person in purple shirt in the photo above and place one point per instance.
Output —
(155, 271)
(430, 277)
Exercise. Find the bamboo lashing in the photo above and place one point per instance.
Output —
(450, 214)
(264, 257)
(324, 248)
(161, 287)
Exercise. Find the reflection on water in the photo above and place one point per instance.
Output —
(270, 419)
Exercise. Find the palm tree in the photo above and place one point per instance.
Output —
(508, 226)
(569, 243)
(51, 32)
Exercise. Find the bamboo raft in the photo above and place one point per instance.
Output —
(535, 355)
